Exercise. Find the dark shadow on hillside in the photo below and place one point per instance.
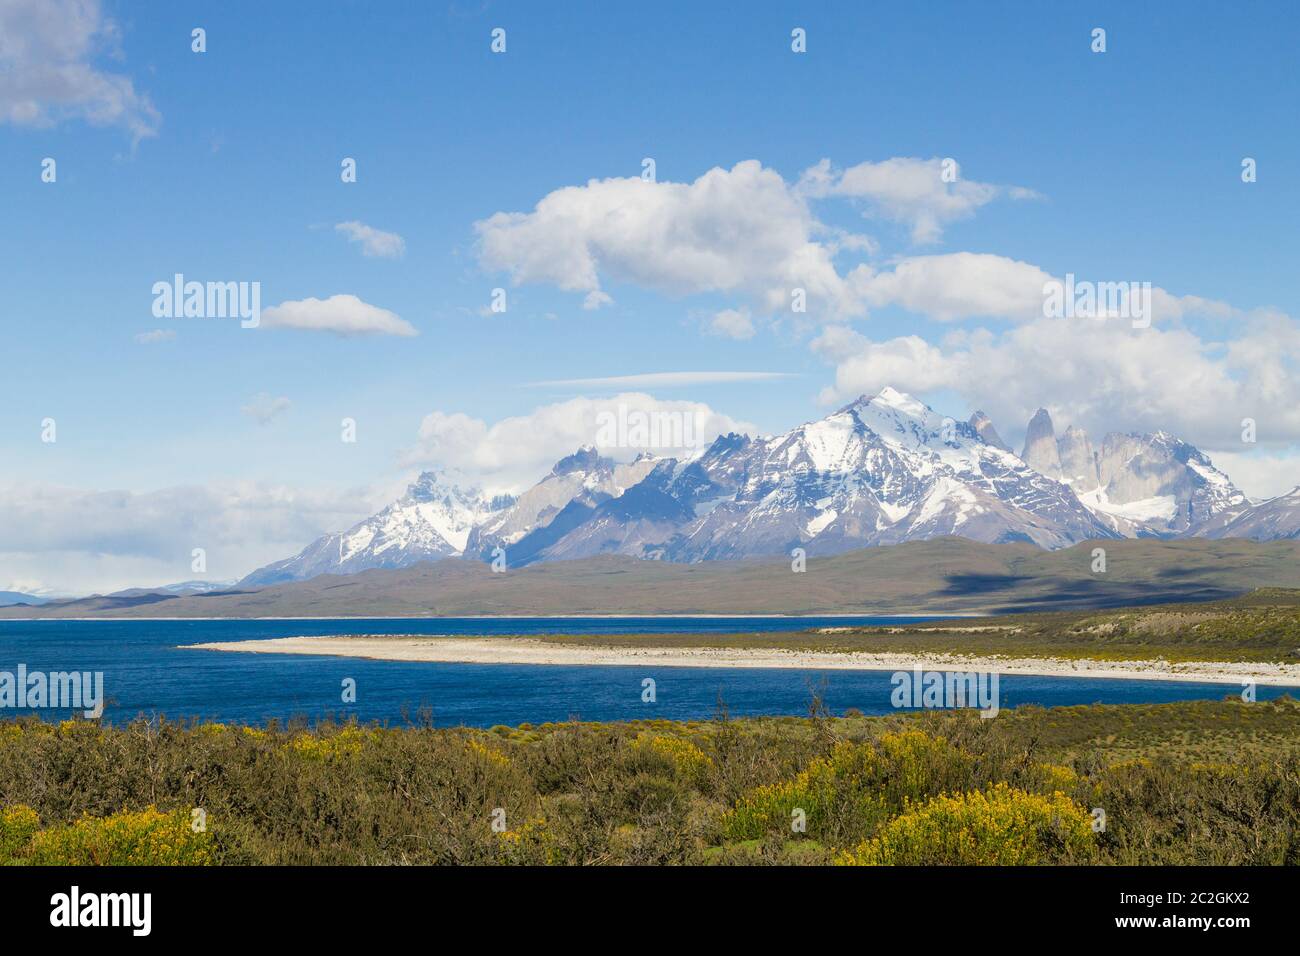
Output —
(1084, 597)
(110, 603)
(963, 585)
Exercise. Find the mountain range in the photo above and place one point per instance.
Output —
(941, 576)
(17, 597)
(882, 470)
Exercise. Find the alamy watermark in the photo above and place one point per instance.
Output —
(179, 299)
(55, 690)
(946, 690)
(1097, 300)
(628, 427)
(75, 908)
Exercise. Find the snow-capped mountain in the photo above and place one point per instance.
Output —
(180, 589)
(583, 479)
(882, 470)
(1267, 521)
(878, 471)
(983, 425)
(1139, 485)
(432, 520)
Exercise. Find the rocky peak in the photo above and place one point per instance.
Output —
(1040, 452)
(585, 458)
(1078, 462)
(983, 426)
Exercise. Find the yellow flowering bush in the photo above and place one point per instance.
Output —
(915, 765)
(18, 824)
(842, 779)
(854, 788)
(10, 732)
(146, 838)
(688, 760)
(1000, 826)
(773, 807)
(1053, 777)
(490, 754)
(532, 842)
(346, 743)
(1215, 768)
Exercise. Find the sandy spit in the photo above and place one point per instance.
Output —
(519, 650)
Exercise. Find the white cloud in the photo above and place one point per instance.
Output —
(732, 324)
(47, 71)
(77, 541)
(340, 314)
(837, 343)
(1099, 375)
(515, 452)
(747, 232)
(666, 379)
(742, 230)
(596, 299)
(910, 191)
(1260, 474)
(959, 285)
(264, 407)
(908, 362)
(155, 336)
(375, 243)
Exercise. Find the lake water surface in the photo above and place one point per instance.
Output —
(145, 672)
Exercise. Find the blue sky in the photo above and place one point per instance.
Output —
(1115, 166)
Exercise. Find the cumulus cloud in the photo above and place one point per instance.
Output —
(73, 540)
(48, 50)
(743, 230)
(1100, 375)
(958, 286)
(340, 314)
(1099, 372)
(908, 362)
(746, 232)
(375, 243)
(513, 453)
(154, 336)
(732, 324)
(923, 194)
(264, 407)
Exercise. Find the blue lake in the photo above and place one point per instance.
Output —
(145, 672)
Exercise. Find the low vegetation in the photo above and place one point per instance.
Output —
(1189, 783)
(1262, 627)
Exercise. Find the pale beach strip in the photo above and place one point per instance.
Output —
(521, 650)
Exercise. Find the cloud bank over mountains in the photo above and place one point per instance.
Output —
(510, 454)
(73, 540)
(1197, 365)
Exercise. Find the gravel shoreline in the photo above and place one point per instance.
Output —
(519, 650)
